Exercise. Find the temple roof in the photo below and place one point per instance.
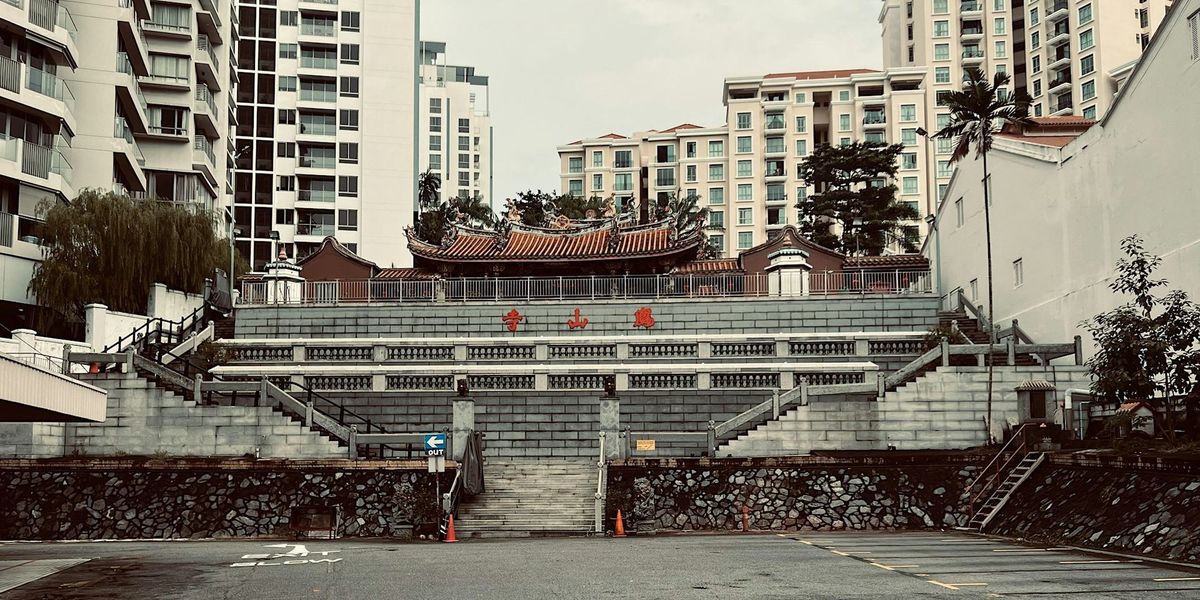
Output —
(587, 242)
(331, 244)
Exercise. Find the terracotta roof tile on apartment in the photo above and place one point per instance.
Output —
(834, 74)
(607, 136)
(710, 266)
(1063, 121)
(891, 260)
(681, 126)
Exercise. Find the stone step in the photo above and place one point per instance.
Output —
(525, 524)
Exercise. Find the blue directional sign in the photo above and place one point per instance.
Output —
(435, 444)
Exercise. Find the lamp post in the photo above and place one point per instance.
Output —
(931, 221)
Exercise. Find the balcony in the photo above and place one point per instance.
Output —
(323, 129)
(321, 63)
(1064, 107)
(317, 161)
(208, 19)
(1059, 35)
(664, 182)
(129, 159)
(774, 123)
(1060, 84)
(207, 66)
(321, 230)
(38, 90)
(620, 164)
(167, 81)
(318, 29)
(970, 9)
(1059, 59)
(775, 171)
(321, 196)
(177, 31)
(972, 55)
(205, 112)
(167, 131)
(37, 164)
(1058, 11)
(204, 159)
(318, 95)
(129, 94)
(57, 20)
(321, 5)
(972, 34)
(874, 119)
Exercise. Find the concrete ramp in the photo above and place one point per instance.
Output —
(31, 394)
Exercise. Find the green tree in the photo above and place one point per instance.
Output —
(977, 112)
(576, 207)
(1148, 348)
(429, 187)
(536, 208)
(106, 248)
(436, 216)
(867, 216)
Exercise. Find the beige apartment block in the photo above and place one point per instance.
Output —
(747, 171)
(456, 126)
(326, 127)
(133, 96)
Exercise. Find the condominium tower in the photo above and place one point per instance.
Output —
(126, 95)
(326, 127)
(456, 125)
(747, 172)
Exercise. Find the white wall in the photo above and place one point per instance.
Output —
(170, 304)
(1131, 174)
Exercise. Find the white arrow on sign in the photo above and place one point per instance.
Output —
(435, 441)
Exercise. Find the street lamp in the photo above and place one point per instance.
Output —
(931, 221)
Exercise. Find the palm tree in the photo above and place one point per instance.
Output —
(977, 113)
(429, 187)
(478, 213)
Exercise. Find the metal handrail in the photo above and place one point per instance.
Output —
(1018, 436)
(601, 479)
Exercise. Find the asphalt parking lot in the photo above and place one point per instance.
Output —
(774, 566)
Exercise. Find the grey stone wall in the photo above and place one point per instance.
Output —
(810, 493)
(113, 499)
(1136, 507)
(717, 315)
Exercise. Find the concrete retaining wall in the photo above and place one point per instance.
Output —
(114, 498)
(743, 315)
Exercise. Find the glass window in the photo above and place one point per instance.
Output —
(940, 7)
(1089, 90)
(801, 124)
(1086, 40)
(287, 83)
(910, 185)
(348, 118)
(1089, 113)
(597, 181)
(843, 122)
(575, 187)
(744, 168)
(350, 54)
(691, 149)
(744, 144)
(716, 195)
(908, 112)
(745, 239)
(288, 50)
(597, 158)
(575, 164)
(691, 173)
(1037, 64)
(944, 169)
(743, 120)
(347, 185)
(998, 5)
(716, 148)
(1037, 88)
(716, 218)
(844, 95)
(908, 160)
(1018, 273)
(958, 211)
(745, 191)
(1087, 64)
(1001, 49)
(943, 120)
(801, 147)
(908, 137)
(801, 194)
(941, 52)
(623, 159)
(942, 74)
(801, 97)
(1000, 26)
(1085, 14)
(745, 216)
(941, 28)
(350, 21)
(1033, 16)
(1035, 40)
(623, 182)
(716, 172)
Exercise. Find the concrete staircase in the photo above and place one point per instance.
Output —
(531, 498)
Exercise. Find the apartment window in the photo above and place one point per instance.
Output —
(1018, 273)
(623, 182)
(575, 164)
(958, 211)
(287, 83)
(348, 119)
(744, 168)
(743, 120)
(716, 172)
(745, 216)
(169, 66)
(716, 218)
(435, 162)
(801, 194)
(998, 5)
(942, 74)
(908, 137)
(941, 29)
(945, 145)
(1033, 17)
(1087, 65)
(1037, 109)
(691, 149)
(575, 187)
(843, 122)
(287, 183)
(1089, 113)
(622, 159)
(801, 98)
(288, 50)
(464, 126)
(974, 290)
(1002, 69)
(718, 242)
(348, 152)
(348, 185)
(350, 54)
(716, 195)
(1089, 90)
(844, 96)
(350, 21)
(943, 121)
(286, 150)
(1085, 14)
(908, 112)
(666, 178)
(1037, 64)
(349, 87)
(941, 97)
(1035, 40)
(801, 147)
(435, 124)
(347, 219)
(597, 181)
(745, 192)
(464, 161)
(435, 143)
(287, 116)
(744, 144)
(1037, 88)
(941, 52)
(843, 142)
(665, 153)
(289, 18)
(745, 239)
(435, 106)
(1000, 26)
(716, 149)
(908, 160)
(597, 158)
(944, 169)
(285, 216)
(691, 173)
(1087, 40)
(464, 143)
(1001, 50)
(801, 124)
(940, 7)
(910, 185)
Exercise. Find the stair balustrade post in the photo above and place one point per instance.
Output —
(880, 383)
(196, 391)
(803, 391)
(1078, 350)
(945, 352)
(712, 432)
(129, 366)
(263, 392)
(352, 443)
(308, 414)
(610, 422)
(1012, 350)
(66, 359)
(775, 404)
(463, 423)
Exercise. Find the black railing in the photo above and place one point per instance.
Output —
(159, 331)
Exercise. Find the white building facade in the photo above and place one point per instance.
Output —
(456, 126)
(1061, 204)
(326, 127)
(133, 96)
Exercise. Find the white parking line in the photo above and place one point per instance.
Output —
(1094, 562)
(1177, 579)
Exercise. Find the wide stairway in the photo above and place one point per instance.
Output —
(531, 498)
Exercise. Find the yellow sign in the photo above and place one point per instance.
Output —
(643, 445)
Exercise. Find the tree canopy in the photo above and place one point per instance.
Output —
(851, 213)
(978, 111)
(436, 216)
(106, 248)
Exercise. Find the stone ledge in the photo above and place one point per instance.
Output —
(1161, 464)
(210, 464)
(847, 459)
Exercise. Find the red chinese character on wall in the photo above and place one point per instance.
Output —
(512, 319)
(643, 317)
(577, 322)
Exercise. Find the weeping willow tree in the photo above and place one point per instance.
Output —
(106, 248)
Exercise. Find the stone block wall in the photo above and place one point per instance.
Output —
(796, 494)
(716, 315)
(129, 499)
(33, 440)
(1135, 506)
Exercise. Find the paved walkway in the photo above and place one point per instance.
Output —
(770, 566)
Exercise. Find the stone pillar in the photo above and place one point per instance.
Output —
(463, 424)
(283, 281)
(96, 324)
(788, 272)
(610, 425)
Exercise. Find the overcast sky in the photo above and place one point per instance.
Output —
(566, 69)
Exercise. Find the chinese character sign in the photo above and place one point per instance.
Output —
(643, 317)
(512, 320)
(577, 322)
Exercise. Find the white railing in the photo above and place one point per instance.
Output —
(483, 289)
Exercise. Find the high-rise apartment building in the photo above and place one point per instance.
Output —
(326, 127)
(126, 95)
(455, 125)
(747, 172)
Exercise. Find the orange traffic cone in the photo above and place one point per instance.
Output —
(450, 539)
(620, 526)
(95, 368)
